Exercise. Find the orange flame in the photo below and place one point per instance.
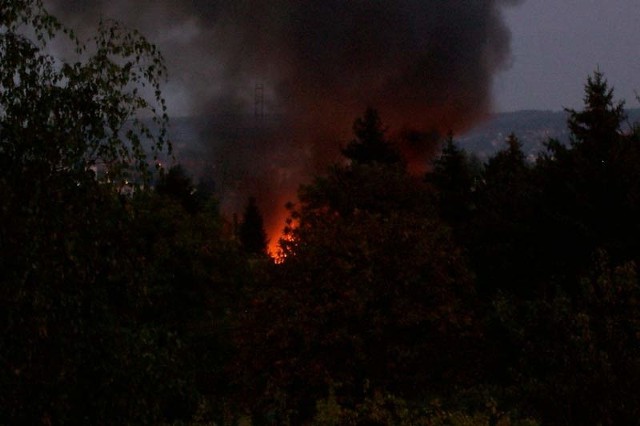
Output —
(275, 228)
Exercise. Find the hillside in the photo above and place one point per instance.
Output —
(532, 127)
(228, 142)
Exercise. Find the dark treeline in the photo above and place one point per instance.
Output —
(497, 293)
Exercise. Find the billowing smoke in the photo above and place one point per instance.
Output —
(426, 65)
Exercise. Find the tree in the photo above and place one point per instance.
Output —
(177, 185)
(370, 144)
(502, 228)
(577, 357)
(454, 178)
(371, 294)
(586, 200)
(75, 284)
(597, 128)
(65, 116)
(194, 276)
(566, 345)
(253, 237)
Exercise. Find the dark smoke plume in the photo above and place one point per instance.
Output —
(426, 65)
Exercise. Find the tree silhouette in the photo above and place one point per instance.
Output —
(370, 144)
(375, 283)
(177, 185)
(453, 177)
(587, 201)
(77, 279)
(502, 229)
(597, 127)
(253, 237)
(576, 355)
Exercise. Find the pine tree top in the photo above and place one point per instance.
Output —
(370, 144)
(602, 117)
(253, 237)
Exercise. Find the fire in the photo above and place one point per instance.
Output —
(417, 133)
(273, 246)
(275, 228)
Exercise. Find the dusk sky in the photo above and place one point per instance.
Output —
(556, 44)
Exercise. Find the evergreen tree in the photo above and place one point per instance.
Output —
(501, 228)
(587, 187)
(178, 186)
(253, 237)
(453, 178)
(370, 144)
(598, 126)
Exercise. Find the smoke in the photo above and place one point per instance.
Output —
(426, 65)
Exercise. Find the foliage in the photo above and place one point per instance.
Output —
(372, 289)
(453, 178)
(488, 295)
(589, 190)
(501, 224)
(552, 338)
(82, 281)
(192, 274)
(59, 115)
(370, 144)
(177, 185)
(253, 237)
(598, 126)
(577, 363)
(385, 409)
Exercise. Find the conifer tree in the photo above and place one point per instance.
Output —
(177, 184)
(585, 203)
(502, 222)
(253, 237)
(453, 179)
(600, 122)
(370, 144)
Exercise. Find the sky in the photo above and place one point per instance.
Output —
(556, 44)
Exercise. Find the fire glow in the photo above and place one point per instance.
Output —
(275, 224)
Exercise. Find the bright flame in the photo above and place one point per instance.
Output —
(275, 231)
(274, 244)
